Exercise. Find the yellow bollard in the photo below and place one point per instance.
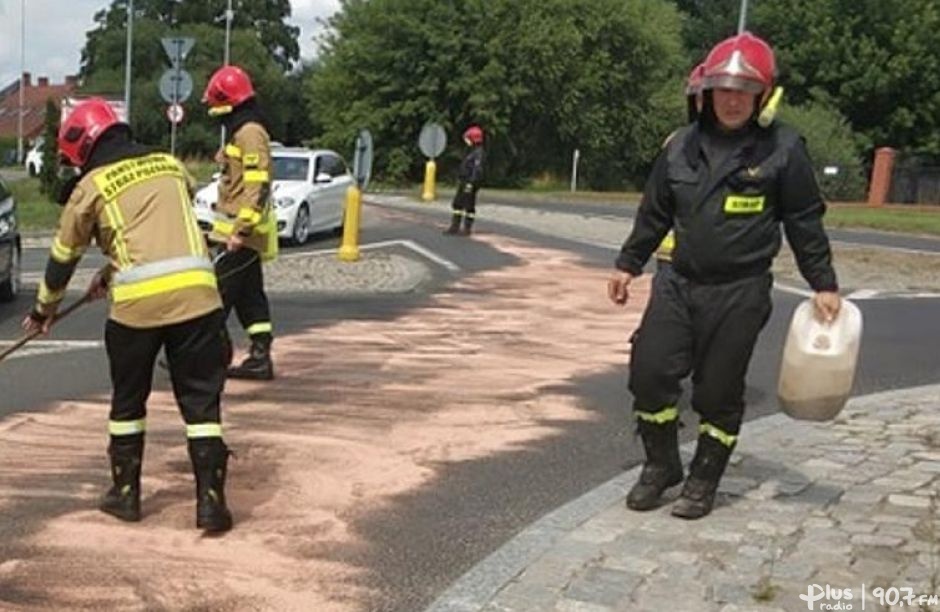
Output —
(349, 250)
(430, 172)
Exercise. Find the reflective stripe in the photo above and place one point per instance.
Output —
(127, 428)
(225, 228)
(204, 430)
(47, 296)
(667, 414)
(264, 327)
(722, 436)
(667, 246)
(223, 225)
(256, 176)
(215, 111)
(470, 215)
(252, 159)
(744, 205)
(164, 284)
(160, 268)
(196, 244)
(249, 216)
(233, 151)
(64, 254)
(117, 224)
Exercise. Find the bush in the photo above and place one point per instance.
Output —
(7, 150)
(833, 147)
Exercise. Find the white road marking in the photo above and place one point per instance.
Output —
(45, 347)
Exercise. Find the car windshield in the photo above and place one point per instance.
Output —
(291, 168)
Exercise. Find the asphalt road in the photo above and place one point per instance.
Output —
(426, 538)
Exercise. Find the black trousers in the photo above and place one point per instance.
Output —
(241, 284)
(706, 330)
(465, 200)
(194, 357)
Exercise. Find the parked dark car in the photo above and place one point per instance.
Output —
(10, 248)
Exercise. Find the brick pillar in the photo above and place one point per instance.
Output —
(880, 184)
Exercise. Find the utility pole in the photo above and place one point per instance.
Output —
(128, 60)
(19, 118)
(742, 17)
(229, 15)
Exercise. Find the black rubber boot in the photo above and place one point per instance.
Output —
(123, 499)
(258, 364)
(698, 493)
(663, 467)
(454, 224)
(467, 224)
(210, 460)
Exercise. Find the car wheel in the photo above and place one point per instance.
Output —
(301, 226)
(11, 287)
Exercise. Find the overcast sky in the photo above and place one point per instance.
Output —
(55, 33)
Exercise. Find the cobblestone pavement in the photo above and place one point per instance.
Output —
(843, 505)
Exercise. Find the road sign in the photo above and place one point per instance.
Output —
(362, 159)
(176, 86)
(432, 140)
(174, 112)
(177, 48)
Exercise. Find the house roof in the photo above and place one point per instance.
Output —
(34, 104)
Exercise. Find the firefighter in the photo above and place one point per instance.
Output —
(135, 204)
(693, 95)
(469, 176)
(244, 232)
(724, 184)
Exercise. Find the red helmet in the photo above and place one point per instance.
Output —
(743, 62)
(693, 85)
(474, 135)
(228, 87)
(82, 129)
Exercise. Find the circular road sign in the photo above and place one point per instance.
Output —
(176, 85)
(174, 113)
(432, 140)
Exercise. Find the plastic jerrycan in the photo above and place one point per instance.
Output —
(819, 362)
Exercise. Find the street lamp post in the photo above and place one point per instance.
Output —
(19, 118)
(129, 60)
(742, 17)
(229, 15)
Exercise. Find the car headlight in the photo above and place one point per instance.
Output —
(285, 202)
(7, 224)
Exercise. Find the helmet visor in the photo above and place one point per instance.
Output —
(736, 82)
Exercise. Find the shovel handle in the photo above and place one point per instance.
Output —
(33, 334)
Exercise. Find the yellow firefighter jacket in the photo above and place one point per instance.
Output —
(244, 190)
(138, 211)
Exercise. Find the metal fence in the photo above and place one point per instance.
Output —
(912, 183)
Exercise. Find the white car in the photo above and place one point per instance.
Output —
(33, 161)
(308, 191)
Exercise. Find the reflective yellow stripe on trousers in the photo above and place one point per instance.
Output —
(667, 414)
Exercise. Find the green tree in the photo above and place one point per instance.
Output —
(49, 181)
(266, 19)
(543, 77)
(103, 71)
(833, 147)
